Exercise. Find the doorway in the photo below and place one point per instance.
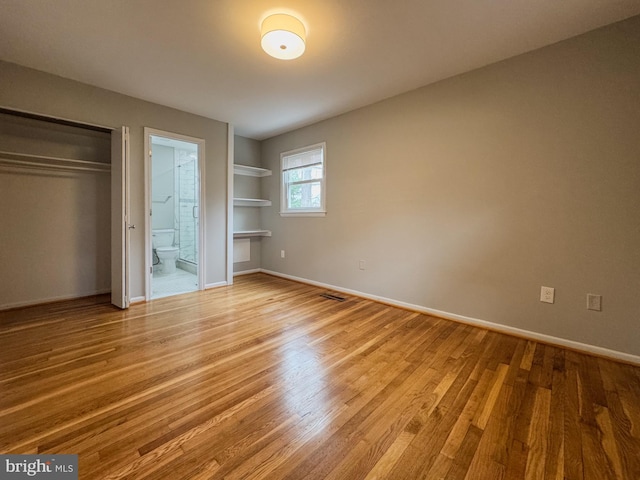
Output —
(174, 196)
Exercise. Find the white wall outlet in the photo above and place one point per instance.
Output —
(547, 294)
(281, 253)
(594, 302)
(362, 265)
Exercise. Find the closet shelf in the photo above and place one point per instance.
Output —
(252, 233)
(251, 202)
(250, 171)
(28, 160)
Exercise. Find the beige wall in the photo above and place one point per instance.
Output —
(30, 90)
(467, 195)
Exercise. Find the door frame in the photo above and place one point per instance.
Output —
(148, 248)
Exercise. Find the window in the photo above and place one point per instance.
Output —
(303, 182)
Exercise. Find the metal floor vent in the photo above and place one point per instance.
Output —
(332, 296)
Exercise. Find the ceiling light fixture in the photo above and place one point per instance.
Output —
(283, 36)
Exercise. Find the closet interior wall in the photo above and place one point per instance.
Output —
(55, 212)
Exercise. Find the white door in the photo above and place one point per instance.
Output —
(120, 217)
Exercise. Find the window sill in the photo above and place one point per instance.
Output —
(303, 214)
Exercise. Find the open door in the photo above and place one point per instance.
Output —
(120, 218)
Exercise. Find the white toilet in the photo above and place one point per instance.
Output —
(167, 253)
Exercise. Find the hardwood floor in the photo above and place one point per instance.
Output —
(267, 379)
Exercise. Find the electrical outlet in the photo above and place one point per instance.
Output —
(594, 302)
(547, 294)
(362, 265)
(281, 253)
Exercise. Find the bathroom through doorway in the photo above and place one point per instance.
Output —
(174, 241)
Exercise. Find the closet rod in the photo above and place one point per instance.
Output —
(50, 166)
(56, 159)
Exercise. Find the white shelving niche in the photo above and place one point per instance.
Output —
(257, 172)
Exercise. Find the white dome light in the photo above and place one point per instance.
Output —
(283, 36)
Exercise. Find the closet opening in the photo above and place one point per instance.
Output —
(56, 215)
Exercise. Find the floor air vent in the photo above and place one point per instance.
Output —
(332, 296)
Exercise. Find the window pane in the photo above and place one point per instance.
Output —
(295, 196)
(306, 173)
(306, 195)
(314, 172)
(293, 176)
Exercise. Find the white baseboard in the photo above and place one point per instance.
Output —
(137, 300)
(61, 298)
(247, 272)
(518, 332)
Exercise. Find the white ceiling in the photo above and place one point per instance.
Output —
(204, 56)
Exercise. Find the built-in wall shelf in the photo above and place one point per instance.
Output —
(252, 233)
(251, 202)
(250, 171)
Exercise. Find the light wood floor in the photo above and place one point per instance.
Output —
(266, 379)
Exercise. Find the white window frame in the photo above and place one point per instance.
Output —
(285, 211)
